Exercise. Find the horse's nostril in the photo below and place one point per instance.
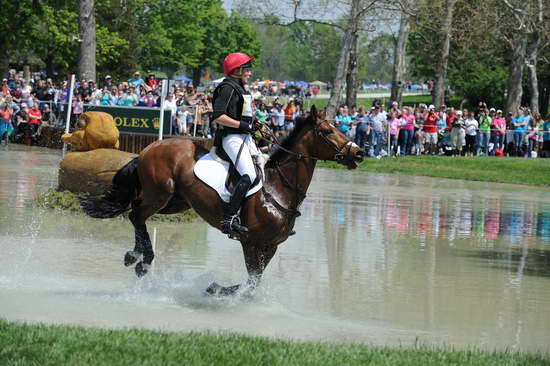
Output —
(360, 154)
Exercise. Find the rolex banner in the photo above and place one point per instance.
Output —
(136, 119)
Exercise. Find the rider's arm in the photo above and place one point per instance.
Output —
(225, 120)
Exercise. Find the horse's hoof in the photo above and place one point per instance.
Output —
(213, 289)
(131, 257)
(142, 269)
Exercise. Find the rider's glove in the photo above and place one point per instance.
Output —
(248, 125)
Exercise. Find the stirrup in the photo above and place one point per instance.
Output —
(232, 226)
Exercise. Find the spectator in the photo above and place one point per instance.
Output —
(532, 134)
(6, 128)
(546, 137)
(430, 131)
(458, 134)
(407, 131)
(136, 81)
(519, 124)
(343, 120)
(498, 131)
(152, 83)
(394, 125)
(278, 119)
(78, 108)
(361, 129)
(378, 131)
(485, 122)
(35, 118)
(289, 109)
(471, 126)
(108, 82)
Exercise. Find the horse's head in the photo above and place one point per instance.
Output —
(332, 144)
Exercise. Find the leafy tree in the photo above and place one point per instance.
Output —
(223, 35)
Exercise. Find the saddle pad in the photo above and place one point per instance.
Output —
(213, 172)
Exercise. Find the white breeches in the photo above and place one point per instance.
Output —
(232, 144)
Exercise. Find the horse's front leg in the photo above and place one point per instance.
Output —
(256, 259)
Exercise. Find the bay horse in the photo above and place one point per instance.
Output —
(161, 179)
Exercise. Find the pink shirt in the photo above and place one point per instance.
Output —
(394, 125)
(500, 124)
(408, 120)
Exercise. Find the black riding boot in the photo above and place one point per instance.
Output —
(231, 223)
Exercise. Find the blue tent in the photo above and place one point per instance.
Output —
(183, 78)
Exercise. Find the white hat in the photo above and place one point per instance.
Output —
(108, 77)
(432, 106)
(492, 110)
(499, 111)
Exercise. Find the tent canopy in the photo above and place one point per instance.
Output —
(317, 83)
(183, 78)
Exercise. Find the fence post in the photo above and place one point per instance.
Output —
(162, 93)
(69, 108)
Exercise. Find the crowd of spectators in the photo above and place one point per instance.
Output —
(426, 129)
(26, 107)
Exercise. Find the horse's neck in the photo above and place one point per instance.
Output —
(295, 174)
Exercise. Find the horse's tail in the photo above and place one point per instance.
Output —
(124, 190)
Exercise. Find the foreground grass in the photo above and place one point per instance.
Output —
(69, 201)
(484, 169)
(43, 345)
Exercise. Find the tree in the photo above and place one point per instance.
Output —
(15, 20)
(223, 35)
(525, 34)
(400, 50)
(87, 30)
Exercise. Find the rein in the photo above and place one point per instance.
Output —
(300, 192)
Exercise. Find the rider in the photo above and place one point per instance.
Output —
(233, 114)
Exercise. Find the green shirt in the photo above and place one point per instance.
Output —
(485, 123)
(261, 115)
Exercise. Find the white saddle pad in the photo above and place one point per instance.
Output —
(213, 171)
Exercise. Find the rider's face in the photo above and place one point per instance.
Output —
(246, 72)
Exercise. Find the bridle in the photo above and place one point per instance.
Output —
(340, 156)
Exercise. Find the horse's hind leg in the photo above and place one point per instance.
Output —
(141, 211)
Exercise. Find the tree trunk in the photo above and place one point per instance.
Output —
(515, 78)
(87, 29)
(197, 73)
(4, 59)
(351, 77)
(343, 63)
(441, 73)
(532, 56)
(399, 58)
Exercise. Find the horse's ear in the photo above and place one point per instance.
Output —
(313, 113)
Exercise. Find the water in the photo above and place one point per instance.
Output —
(377, 259)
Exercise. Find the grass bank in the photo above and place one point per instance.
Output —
(43, 345)
(69, 201)
(484, 169)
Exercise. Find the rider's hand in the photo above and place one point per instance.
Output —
(249, 125)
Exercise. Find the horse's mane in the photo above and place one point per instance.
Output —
(288, 141)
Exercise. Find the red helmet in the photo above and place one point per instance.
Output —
(234, 60)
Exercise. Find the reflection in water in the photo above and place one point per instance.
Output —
(376, 258)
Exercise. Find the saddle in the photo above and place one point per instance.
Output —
(221, 175)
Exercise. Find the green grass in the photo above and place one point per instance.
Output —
(22, 344)
(69, 201)
(484, 169)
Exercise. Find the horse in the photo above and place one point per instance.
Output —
(161, 179)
